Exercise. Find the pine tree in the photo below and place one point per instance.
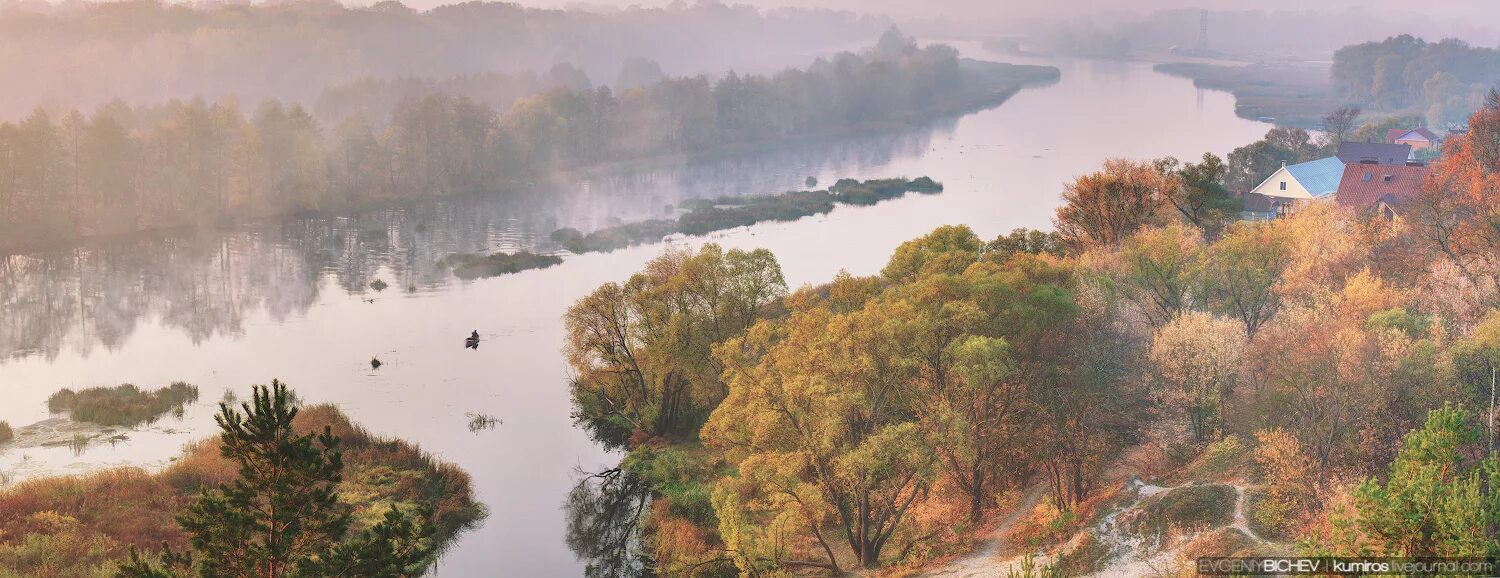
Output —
(282, 517)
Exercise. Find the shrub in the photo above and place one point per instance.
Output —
(5, 432)
(1183, 509)
(1290, 492)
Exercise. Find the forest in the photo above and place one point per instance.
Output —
(84, 54)
(123, 169)
(1336, 365)
(1405, 79)
(1442, 81)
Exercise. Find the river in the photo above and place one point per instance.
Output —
(291, 300)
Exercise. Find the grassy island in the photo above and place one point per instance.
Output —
(708, 215)
(474, 266)
(122, 405)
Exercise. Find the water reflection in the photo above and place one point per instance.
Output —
(207, 285)
(604, 513)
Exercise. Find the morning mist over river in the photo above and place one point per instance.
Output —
(291, 300)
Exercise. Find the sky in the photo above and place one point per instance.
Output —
(1005, 9)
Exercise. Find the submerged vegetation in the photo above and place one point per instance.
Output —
(707, 215)
(87, 525)
(121, 405)
(479, 422)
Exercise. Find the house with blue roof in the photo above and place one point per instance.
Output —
(1294, 185)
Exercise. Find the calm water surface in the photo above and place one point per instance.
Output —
(290, 300)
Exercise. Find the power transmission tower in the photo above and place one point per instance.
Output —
(1202, 32)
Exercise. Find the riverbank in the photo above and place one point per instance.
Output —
(85, 525)
(1287, 94)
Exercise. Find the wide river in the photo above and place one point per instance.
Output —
(291, 300)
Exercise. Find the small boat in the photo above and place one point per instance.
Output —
(472, 341)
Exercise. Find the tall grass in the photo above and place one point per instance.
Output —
(121, 405)
(6, 434)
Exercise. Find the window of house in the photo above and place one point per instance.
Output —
(1283, 185)
(1387, 178)
(1367, 177)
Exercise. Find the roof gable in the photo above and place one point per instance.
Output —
(1283, 185)
(1399, 134)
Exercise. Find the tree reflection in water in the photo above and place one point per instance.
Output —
(208, 284)
(604, 513)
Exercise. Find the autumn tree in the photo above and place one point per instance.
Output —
(819, 410)
(642, 350)
(1458, 210)
(1101, 209)
(1196, 358)
(1163, 271)
(948, 249)
(981, 413)
(1243, 269)
(1023, 240)
(1291, 488)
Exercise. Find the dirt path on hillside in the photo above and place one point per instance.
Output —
(988, 561)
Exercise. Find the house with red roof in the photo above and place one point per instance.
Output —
(1386, 189)
(1418, 138)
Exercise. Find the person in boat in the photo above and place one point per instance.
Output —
(472, 342)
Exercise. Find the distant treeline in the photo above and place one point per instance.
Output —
(82, 54)
(124, 169)
(1444, 81)
(708, 215)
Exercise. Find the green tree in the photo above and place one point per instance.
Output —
(1023, 240)
(1201, 199)
(1433, 503)
(281, 517)
(948, 249)
(642, 350)
(1250, 164)
(1243, 270)
(1163, 271)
